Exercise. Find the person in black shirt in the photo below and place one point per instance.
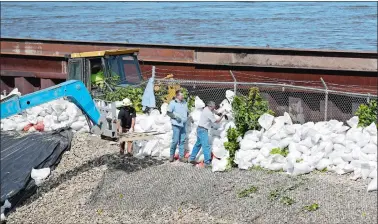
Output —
(126, 123)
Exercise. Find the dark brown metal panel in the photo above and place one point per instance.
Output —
(31, 64)
(27, 85)
(7, 84)
(45, 83)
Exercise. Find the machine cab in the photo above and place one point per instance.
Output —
(98, 68)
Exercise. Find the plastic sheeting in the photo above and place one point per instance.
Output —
(20, 154)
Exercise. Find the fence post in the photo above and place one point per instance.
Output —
(325, 100)
(368, 98)
(153, 71)
(233, 77)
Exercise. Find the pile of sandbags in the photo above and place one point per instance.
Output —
(332, 145)
(160, 146)
(47, 117)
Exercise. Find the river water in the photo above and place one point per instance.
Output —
(314, 25)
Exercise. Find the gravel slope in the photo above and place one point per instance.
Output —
(92, 184)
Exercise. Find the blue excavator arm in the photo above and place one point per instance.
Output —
(73, 89)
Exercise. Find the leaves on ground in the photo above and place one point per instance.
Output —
(247, 192)
(312, 207)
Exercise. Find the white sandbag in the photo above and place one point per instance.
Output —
(294, 155)
(301, 168)
(77, 125)
(339, 139)
(290, 130)
(356, 174)
(32, 119)
(275, 166)
(21, 125)
(348, 168)
(353, 122)
(342, 129)
(362, 139)
(266, 121)
(285, 142)
(364, 156)
(323, 163)
(307, 142)
(372, 185)
(369, 149)
(347, 157)
(149, 147)
(244, 158)
(266, 149)
(81, 118)
(32, 129)
(303, 149)
(39, 175)
(146, 123)
(274, 129)
(14, 92)
(196, 115)
(230, 95)
(164, 109)
(59, 106)
(337, 161)
(219, 165)
(373, 173)
(48, 121)
(220, 152)
(338, 147)
(84, 129)
(371, 129)
(252, 135)
(35, 110)
(246, 144)
(296, 138)
(72, 111)
(373, 139)
(365, 171)
(63, 117)
(198, 103)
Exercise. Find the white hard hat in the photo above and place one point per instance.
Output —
(126, 102)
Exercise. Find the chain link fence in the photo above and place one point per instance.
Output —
(303, 103)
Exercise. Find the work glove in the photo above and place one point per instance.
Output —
(131, 130)
(178, 119)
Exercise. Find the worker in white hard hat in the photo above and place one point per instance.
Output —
(126, 123)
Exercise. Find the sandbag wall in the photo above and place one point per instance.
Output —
(330, 145)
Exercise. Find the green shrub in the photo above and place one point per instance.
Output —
(247, 111)
(232, 145)
(367, 113)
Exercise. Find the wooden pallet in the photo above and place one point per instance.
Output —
(128, 137)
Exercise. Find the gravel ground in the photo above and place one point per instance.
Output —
(92, 184)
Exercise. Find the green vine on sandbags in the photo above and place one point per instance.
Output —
(367, 113)
(232, 145)
(246, 110)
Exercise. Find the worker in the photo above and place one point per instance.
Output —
(126, 123)
(178, 112)
(205, 122)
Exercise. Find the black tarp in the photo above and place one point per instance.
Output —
(19, 154)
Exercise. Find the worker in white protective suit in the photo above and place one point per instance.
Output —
(126, 123)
